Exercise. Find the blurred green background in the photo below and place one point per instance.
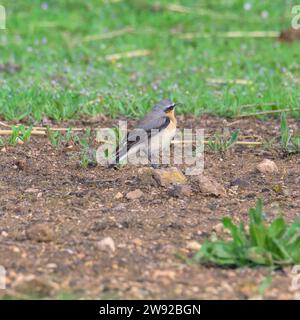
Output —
(56, 57)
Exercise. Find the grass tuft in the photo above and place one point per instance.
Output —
(63, 59)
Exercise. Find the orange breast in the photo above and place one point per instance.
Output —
(173, 121)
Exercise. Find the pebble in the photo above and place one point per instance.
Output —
(133, 195)
(107, 244)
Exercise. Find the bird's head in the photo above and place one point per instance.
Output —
(165, 105)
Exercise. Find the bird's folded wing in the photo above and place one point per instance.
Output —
(152, 122)
(142, 132)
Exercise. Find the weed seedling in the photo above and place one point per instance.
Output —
(220, 143)
(289, 142)
(273, 245)
(19, 133)
(88, 158)
(55, 137)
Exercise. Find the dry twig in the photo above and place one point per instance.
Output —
(225, 81)
(229, 34)
(130, 54)
(108, 35)
(260, 113)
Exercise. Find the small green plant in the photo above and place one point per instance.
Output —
(221, 143)
(268, 143)
(84, 139)
(55, 137)
(25, 133)
(265, 284)
(88, 158)
(13, 139)
(290, 143)
(2, 143)
(68, 135)
(19, 133)
(273, 245)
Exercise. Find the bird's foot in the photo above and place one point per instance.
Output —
(159, 166)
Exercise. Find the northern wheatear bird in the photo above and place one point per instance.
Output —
(151, 134)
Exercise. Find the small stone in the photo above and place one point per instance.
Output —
(169, 274)
(133, 195)
(209, 186)
(193, 245)
(267, 166)
(3, 149)
(107, 244)
(169, 176)
(4, 234)
(219, 228)
(119, 195)
(40, 232)
(51, 266)
(180, 190)
(242, 183)
(32, 190)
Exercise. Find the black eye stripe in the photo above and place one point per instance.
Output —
(169, 108)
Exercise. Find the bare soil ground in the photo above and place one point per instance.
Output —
(77, 207)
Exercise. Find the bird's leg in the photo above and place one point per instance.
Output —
(153, 160)
(165, 158)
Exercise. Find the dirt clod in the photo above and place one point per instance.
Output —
(240, 182)
(267, 166)
(34, 286)
(169, 176)
(40, 232)
(210, 186)
(133, 195)
(179, 191)
(21, 164)
(289, 35)
(145, 176)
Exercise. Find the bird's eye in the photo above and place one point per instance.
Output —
(170, 108)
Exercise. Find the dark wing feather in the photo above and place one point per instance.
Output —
(152, 121)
